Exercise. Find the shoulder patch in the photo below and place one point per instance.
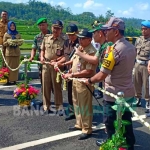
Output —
(109, 61)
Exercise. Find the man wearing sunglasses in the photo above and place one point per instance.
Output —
(116, 70)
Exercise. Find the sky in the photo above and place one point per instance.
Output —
(128, 8)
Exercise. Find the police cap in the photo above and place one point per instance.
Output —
(145, 24)
(114, 23)
(71, 28)
(84, 33)
(57, 23)
(41, 20)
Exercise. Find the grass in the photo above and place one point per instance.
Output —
(26, 46)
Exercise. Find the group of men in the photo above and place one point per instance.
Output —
(116, 59)
(116, 64)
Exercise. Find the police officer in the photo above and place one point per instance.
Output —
(116, 70)
(141, 75)
(43, 26)
(82, 97)
(71, 31)
(51, 49)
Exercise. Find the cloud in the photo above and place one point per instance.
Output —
(52, 2)
(127, 12)
(90, 4)
(142, 6)
(62, 4)
(78, 5)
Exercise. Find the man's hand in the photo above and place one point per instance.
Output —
(77, 51)
(30, 59)
(53, 63)
(84, 80)
(67, 75)
(148, 67)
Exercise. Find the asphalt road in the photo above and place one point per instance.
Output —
(29, 130)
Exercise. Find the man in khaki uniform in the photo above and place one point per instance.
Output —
(141, 75)
(3, 25)
(82, 97)
(52, 48)
(116, 70)
(3, 29)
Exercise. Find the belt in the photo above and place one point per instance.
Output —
(142, 62)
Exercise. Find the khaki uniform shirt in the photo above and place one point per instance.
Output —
(11, 50)
(3, 30)
(118, 63)
(143, 48)
(79, 63)
(53, 48)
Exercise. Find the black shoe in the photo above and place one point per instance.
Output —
(46, 112)
(73, 129)
(8, 83)
(60, 112)
(138, 102)
(70, 117)
(100, 142)
(84, 136)
(147, 111)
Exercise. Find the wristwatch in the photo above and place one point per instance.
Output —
(89, 80)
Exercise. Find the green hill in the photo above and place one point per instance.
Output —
(26, 15)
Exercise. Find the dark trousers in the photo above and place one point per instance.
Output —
(100, 84)
(69, 88)
(109, 116)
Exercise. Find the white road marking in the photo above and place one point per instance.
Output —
(56, 137)
(48, 139)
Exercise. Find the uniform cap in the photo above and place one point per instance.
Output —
(96, 28)
(57, 23)
(145, 24)
(71, 29)
(84, 33)
(115, 23)
(41, 20)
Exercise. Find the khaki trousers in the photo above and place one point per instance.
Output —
(82, 102)
(49, 85)
(141, 78)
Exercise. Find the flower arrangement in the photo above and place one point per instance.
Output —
(15, 42)
(25, 92)
(4, 73)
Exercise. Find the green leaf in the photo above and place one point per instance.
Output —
(126, 122)
(114, 107)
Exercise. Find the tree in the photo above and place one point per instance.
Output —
(109, 14)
